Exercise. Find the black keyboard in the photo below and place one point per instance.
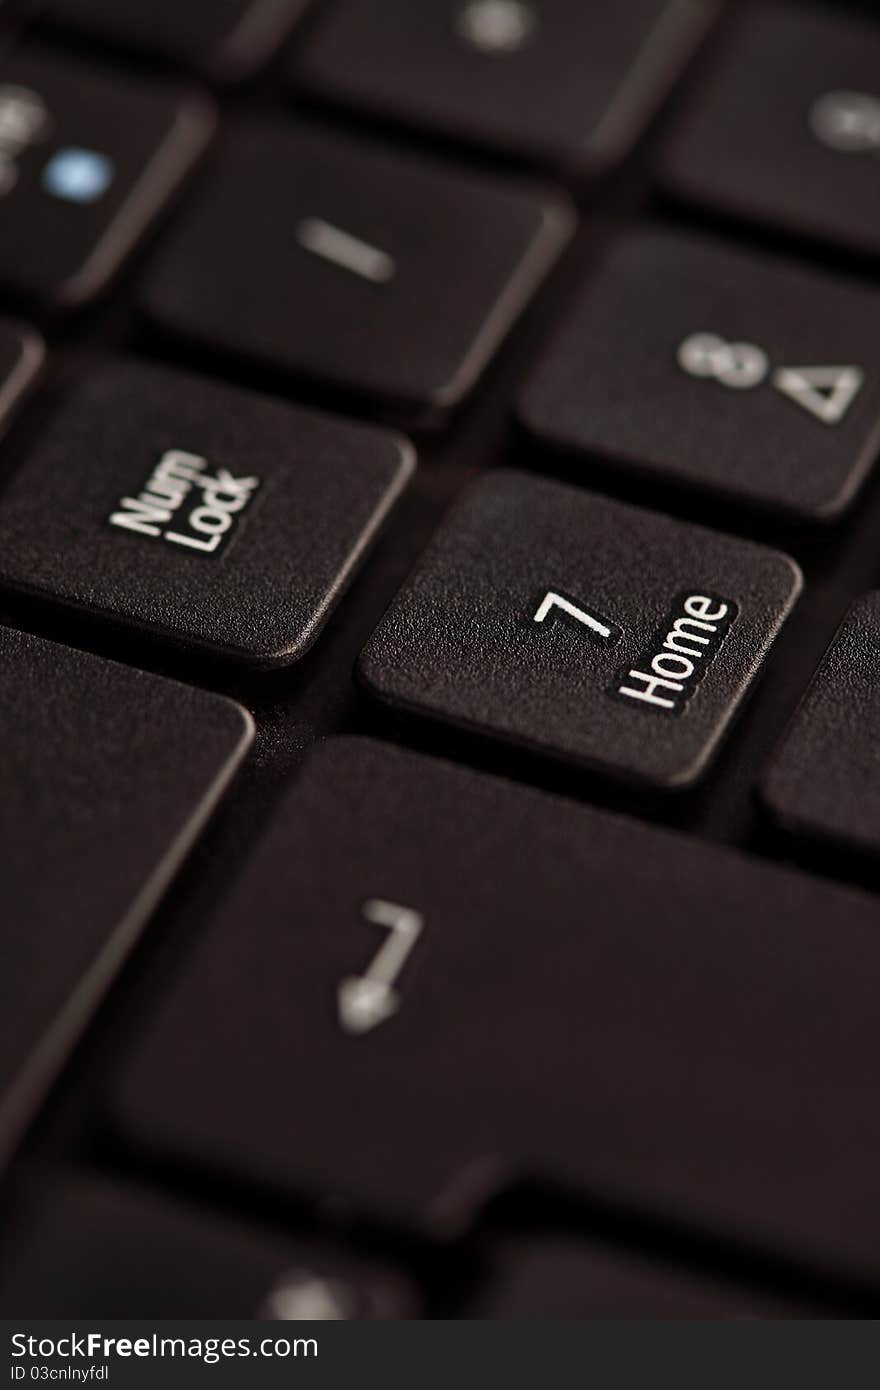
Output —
(440, 651)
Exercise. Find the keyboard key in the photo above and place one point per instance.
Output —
(108, 776)
(825, 778)
(87, 161)
(203, 515)
(372, 271)
(84, 1247)
(613, 638)
(22, 354)
(227, 40)
(559, 1276)
(785, 130)
(621, 1011)
(593, 75)
(716, 369)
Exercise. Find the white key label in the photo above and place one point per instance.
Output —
(737, 365)
(848, 122)
(668, 674)
(825, 392)
(364, 1001)
(303, 1296)
(497, 26)
(340, 248)
(184, 504)
(23, 121)
(555, 605)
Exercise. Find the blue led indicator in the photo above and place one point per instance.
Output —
(77, 175)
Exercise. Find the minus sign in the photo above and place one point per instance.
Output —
(341, 248)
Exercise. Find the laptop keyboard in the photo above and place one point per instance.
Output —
(440, 651)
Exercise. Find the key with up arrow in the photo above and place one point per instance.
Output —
(713, 368)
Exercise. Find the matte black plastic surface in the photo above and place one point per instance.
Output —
(562, 82)
(22, 354)
(557, 1276)
(108, 775)
(225, 39)
(83, 1247)
(461, 642)
(614, 386)
(444, 262)
(308, 494)
(619, 1009)
(747, 144)
(95, 158)
(825, 777)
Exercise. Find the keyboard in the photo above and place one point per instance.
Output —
(440, 651)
